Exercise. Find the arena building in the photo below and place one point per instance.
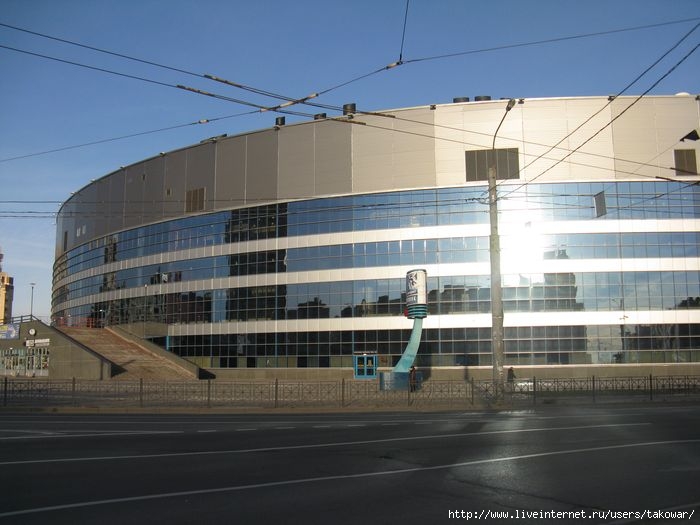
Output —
(284, 250)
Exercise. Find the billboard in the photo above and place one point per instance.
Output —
(9, 331)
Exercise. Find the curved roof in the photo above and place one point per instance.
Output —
(577, 138)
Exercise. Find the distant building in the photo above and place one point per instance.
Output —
(288, 247)
(7, 291)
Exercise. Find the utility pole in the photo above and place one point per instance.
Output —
(497, 347)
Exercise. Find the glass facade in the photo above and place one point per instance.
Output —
(252, 280)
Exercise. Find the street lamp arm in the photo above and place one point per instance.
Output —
(509, 106)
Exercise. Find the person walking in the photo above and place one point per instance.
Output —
(412, 378)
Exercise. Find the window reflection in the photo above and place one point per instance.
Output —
(523, 210)
(536, 202)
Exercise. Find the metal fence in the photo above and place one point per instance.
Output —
(22, 392)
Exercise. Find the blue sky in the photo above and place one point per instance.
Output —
(289, 47)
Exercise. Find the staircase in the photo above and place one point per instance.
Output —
(134, 361)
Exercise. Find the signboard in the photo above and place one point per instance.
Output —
(9, 331)
(416, 287)
(37, 342)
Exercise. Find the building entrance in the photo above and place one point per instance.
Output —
(365, 366)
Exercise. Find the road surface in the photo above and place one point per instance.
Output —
(549, 465)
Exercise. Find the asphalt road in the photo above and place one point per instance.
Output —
(550, 465)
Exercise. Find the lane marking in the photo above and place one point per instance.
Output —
(91, 433)
(317, 445)
(40, 432)
(337, 477)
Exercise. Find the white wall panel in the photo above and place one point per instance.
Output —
(297, 172)
(201, 172)
(261, 167)
(332, 157)
(230, 172)
(174, 191)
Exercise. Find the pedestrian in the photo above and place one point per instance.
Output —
(511, 378)
(412, 378)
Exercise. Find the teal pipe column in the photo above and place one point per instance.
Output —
(409, 355)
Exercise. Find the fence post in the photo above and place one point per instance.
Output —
(208, 393)
(342, 392)
(72, 392)
(471, 384)
(276, 392)
(141, 392)
(534, 390)
(651, 388)
(4, 395)
(593, 387)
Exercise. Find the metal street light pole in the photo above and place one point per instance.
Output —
(497, 350)
(31, 302)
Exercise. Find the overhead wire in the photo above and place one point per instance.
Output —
(403, 34)
(157, 82)
(636, 100)
(610, 100)
(400, 62)
(303, 100)
(143, 61)
(201, 121)
(122, 137)
(549, 41)
(289, 100)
